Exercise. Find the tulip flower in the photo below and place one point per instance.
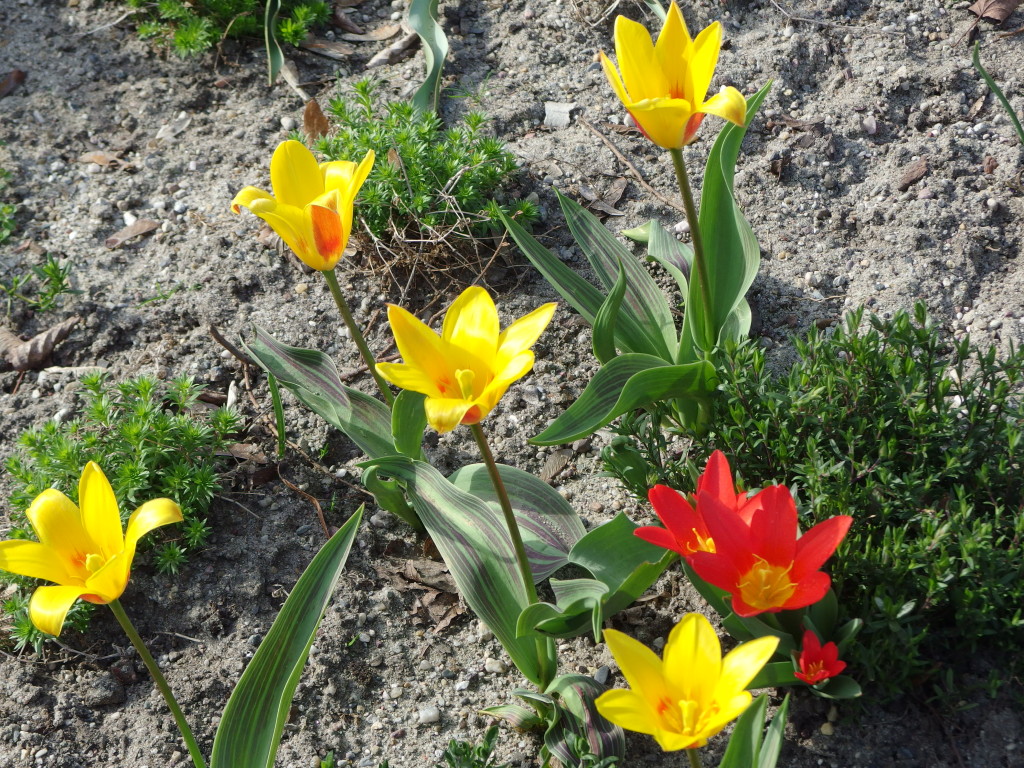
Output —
(664, 85)
(311, 208)
(818, 662)
(465, 371)
(691, 695)
(685, 531)
(82, 549)
(763, 565)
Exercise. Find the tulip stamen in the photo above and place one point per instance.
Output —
(767, 587)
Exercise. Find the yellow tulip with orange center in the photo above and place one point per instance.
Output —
(82, 549)
(690, 696)
(465, 371)
(664, 84)
(311, 208)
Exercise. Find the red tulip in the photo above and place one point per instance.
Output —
(818, 662)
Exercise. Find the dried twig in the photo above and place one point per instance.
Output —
(219, 338)
(311, 499)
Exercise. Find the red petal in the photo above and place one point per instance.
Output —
(717, 479)
(732, 537)
(659, 537)
(773, 528)
(811, 646)
(715, 569)
(809, 590)
(818, 544)
(678, 516)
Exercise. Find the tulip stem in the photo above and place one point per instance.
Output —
(699, 261)
(161, 682)
(357, 335)
(694, 756)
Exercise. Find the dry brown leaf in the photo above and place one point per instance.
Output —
(140, 227)
(994, 10)
(614, 193)
(608, 210)
(329, 48)
(100, 157)
(989, 164)
(395, 160)
(373, 36)
(314, 122)
(247, 452)
(554, 464)
(342, 20)
(913, 174)
(10, 82)
(977, 106)
(394, 52)
(33, 354)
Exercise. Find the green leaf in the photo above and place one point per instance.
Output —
(250, 729)
(604, 323)
(275, 56)
(641, 234)
(774, 675)
(733, 253)
(644, 300)
(772, 744)
(390, 496)
(475, 544)
(839, 687)
(548, 523)
(408, 422)
(313, 378)
(627, 382)
(746, 748)
(516, 715)
(575, 716)
(1007, 107)
(824, 614)
(423, 21)
(676, 258)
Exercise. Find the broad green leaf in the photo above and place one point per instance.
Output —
(745, 741)
(250, 729)
(580, 295)
(548, 523)
(641, 234)
(475, 544)
(676, 258)
(772, 744)
(733, 255)
(423, 21)
(604, 323)
(644, 301)
(390, 496)
(519, 717)
(275, 56)
(627, 382)
(774, 675)
(313, 378)
(573, 698)
(577, 609)
(408, 422)
(839, 687)
(658, 9)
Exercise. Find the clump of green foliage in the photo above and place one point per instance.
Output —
(426, 178)
(150, 441)
(41, 288)
(7, 210)
(193, 26)
(917, 438)
(462, 754)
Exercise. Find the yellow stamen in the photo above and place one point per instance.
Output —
(766, 586)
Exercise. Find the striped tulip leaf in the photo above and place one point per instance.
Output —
(250, 728)
(313, 378)
(675, 257)
(475, 544)
(577, 719)
(604, 323)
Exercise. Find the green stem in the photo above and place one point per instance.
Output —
(161, 682)
(544, 644)
(694, 756)
(699, 258)
(357, 335)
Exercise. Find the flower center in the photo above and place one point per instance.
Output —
(815, 672)
(686, 718)
(766, 587)
(465, 378)
(703, 543)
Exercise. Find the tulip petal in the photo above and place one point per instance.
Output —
(471, 323)
(693, 657)
(149, 516)
(660, 537)
(291, 225)
(640, 666)
(663, 120)
(523, 333)
(773, 528)
(641, 72)
(728, 104)
(734, 541)
(629, 710)
(702, 62)
(58, 525)
(819, 544)
(421, 348)
(246, 197)
(295, 175)
(673, 50)
(513, 370)
(614, 79)
(742, 664)
(35, 560)
(717, 478)
(49, 606)
(337, 175)
(445, 414)
(109, 582)
(810, 588)
(100, 515)
(407, 377)
(329, 235)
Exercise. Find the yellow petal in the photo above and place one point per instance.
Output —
(445, 414)
(100, 516)
(524, 332)
(663, 121)
(295, 175)
(513, 370)
(641, 73)
(702, 62)
(728, 104)
(640, 666)
(246, 197)
(151, 515)
(337, 175)
(407, 377)
(35, 560)
(109, 582)
(742, 664)
(693, 660)
(420, 347)
(673, 50)
(629, 710)
(616, 81)
(728, 710)
(329, 234)
(58, 524)
(471, 324)
(49, 606)
(292, 225)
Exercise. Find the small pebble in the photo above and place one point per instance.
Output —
(495, 666)
(288, 123)
(827, 729)
(428, 715)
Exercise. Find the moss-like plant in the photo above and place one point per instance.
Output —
(920, 440)
(150, 440)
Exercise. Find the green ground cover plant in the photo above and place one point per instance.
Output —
(40, 288)
(916, 437)
(7, 210)
(152, 441)
(428, 181)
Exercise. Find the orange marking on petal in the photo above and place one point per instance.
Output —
(328, 233)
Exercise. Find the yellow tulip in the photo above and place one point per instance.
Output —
(464, 371)
(691, 695)
(311, 208)
(664, 85)
(82, 550)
